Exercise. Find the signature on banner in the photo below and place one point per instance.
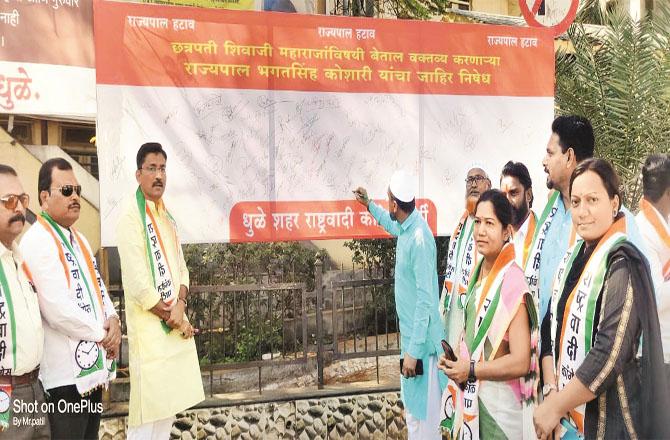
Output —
(15, 88)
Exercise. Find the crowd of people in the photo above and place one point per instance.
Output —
(60, 334)
(552, 324)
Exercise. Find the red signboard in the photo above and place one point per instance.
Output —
(283, 221)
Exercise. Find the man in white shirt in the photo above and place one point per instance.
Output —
(653, 223)
(21, 334)
(517, 185)
(81, 328)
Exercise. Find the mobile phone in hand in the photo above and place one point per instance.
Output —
(450, 355)
(448, 351)
(419, 366)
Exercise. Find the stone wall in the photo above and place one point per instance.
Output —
(364, 416)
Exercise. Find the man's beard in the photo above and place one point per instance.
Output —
(393, 216)
(470, 205)
(550, 183)
(519, 214)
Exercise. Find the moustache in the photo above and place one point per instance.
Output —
(158, 183)
(18, 218)
(74, 205)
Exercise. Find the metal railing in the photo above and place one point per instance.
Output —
(249, 326)
(356, 319)
(281, 324)
(368, 299)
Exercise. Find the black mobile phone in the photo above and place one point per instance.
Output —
(419, 367)
(448, 351)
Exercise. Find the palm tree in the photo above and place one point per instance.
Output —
(620, 80)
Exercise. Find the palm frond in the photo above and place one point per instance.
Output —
(621, 82)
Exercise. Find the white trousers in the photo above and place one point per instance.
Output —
(158, 430)
(430, 428)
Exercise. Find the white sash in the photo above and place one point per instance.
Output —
(7, 328)
(7, 347)
(461, 407)
(161, 269)
(484, 314)
(461, 259)
(88, 358)
(158, 260)
(532, 268)
(578, 318)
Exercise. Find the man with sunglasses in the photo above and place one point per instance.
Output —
(82, 331)
(155, 283)
(462, 256)
(21, 333)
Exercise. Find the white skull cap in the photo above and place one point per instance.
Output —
(402, 186)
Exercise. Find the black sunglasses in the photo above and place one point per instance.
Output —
(67, 190)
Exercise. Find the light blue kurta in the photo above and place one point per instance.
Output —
(416, 299)
(557, 243)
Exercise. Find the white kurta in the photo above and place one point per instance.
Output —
(658, 255)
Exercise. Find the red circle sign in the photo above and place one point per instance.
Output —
(529, 13)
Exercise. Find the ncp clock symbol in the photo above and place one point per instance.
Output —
(4, 401)
(86, 354)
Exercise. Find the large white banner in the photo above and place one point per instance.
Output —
(271, 120)
(46, 58)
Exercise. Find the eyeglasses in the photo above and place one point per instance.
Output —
(11, 201)
(475, 179)
(67, 190)
(155, 170)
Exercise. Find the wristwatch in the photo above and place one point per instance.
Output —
(548, 388)
(471, 374)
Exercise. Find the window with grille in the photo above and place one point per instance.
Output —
(75, 141)
(22, 130)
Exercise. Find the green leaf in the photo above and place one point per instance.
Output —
(621, 82)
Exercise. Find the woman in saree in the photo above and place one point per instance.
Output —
(490, 392)
(602, 309)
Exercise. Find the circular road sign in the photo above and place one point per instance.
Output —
(556, 15)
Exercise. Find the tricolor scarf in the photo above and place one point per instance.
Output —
(460, 261)
(530, 236)
(85, 285)
(7, 347)
(651, 219)
(158, 261)
(576, 337)
(531, 266)
(496, 306)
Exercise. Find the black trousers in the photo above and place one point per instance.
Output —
(74, 417)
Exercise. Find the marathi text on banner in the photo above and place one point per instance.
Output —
(259, 107)
(285, 221)
(47, 64)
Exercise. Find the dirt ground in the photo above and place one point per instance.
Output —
(338, 371)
